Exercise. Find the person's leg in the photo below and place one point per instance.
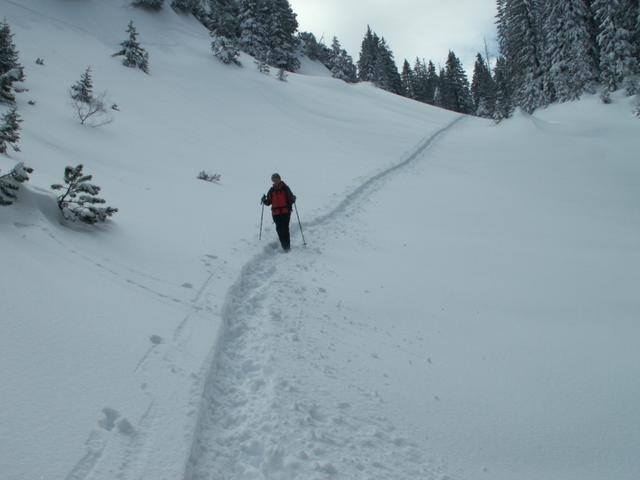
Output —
(286, 244)
(282, 227)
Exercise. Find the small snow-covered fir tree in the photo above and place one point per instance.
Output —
(79, 200)
(7, 81)
(225, 49)
(263, 66)
(82, 90)
(10, 183)
(134, 55)
(150, 4)
(10, 69)
(10, 130)
(90, 109)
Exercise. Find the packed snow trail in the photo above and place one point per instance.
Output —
(253, 423)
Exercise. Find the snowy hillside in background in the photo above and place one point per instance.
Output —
(466, 307)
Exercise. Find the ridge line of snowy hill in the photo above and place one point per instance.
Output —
(228, 387)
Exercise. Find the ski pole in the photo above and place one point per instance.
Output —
(304, 242)
(261, 218)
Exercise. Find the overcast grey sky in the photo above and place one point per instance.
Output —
(412, 28)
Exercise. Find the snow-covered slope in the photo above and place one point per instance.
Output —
(465, 307)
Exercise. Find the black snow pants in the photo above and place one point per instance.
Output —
(282, 227)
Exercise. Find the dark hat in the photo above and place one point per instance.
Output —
(276, 176)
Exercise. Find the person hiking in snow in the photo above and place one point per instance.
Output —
(281, 199)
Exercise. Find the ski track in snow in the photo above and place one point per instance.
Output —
(252, 424)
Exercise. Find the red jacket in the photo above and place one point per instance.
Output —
(281, 199)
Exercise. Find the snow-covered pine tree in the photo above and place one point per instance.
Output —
(281, 40)
(225, 49)
(90, 109)
(225, 30)
(618, 64)
(569, 49)
(150, 4)
(10, 183)
(542, 12)
(637, 30)
(184, 6)
(134, 55)
(386, 74)
(368, 56)
(455, 86)
(504, 90)
(441, 93)
(252, 29)
(483, 89)
(10, 69)
(79, 200)
(341, 63)
(8, 51)
(10, 130)
(6, 85)
(82, 90)
(419, 80)
(431, 84)
(592, 27)
(521, 44)
(313, 49)
(408, 81)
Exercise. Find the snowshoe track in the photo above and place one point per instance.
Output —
(247, 414)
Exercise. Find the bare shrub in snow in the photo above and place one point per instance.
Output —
(209, 177)
(79, 200)
(93, 112)
(89, 109)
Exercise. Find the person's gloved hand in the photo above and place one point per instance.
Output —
(263, 200)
